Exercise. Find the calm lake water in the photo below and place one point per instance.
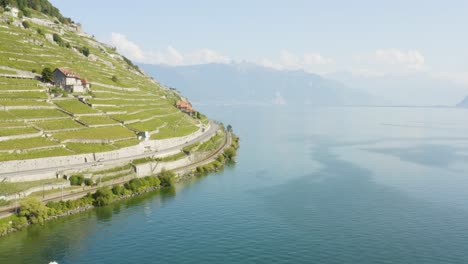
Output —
(317, 185)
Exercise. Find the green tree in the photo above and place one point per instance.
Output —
(167, 178)
(230, 153)
(26, 24)
(34, 210)
(85, 51)
(114, 78)
(77, 180)
(88, 181)
(47, 75)
(56, 37)
(103, 196)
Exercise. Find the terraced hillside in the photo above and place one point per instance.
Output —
(38, 119)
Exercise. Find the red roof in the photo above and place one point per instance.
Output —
(185, 106)
(68, 72)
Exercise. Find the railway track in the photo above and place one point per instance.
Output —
(4, 212)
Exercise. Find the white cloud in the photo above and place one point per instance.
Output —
(170, 55)
(411, 59)
(127, 47)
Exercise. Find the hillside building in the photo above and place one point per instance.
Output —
(185, 107)
(70, 81)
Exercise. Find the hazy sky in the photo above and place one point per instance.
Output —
(363, 37)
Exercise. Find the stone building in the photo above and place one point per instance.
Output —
(70, 81)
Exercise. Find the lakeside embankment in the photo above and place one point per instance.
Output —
(33, 211)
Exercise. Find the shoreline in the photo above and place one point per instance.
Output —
(204, 169)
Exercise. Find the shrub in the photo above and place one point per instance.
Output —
(167, 178)
(34, 210)
(88, 181)
(118, 190)
(85, 51)
(40, 32)
(19, 222)
(77, 180)
(103, 196)
(26, 24)
(56, 37)
(47, 75)
(114, 78)
(230, 153)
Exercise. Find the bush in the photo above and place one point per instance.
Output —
(47, 75)
(40, 32)
(119, 190)
(167, 178)
(26, 24)
(115, 79)
(103, 196)
(88, 181)
(85, 51)
(58, 39)
(230, 153)
(76, 180)
(34, 210)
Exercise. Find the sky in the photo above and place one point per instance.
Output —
(362, 37)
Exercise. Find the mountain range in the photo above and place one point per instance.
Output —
(245, 83)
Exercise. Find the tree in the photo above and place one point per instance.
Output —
(229, 128)
(88, 181)
(230, 153)
(76, 180)
(85, 51)
(26, 24)
(47, 75)
(167, 178)
(103, 196)
(114, 78)
(34, 210)
(56, 37)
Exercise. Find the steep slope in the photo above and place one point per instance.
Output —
(249, 83)
(38, 119)
(463, 103)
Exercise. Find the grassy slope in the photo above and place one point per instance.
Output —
(148, 107)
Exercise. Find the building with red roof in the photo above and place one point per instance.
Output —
(70, 81)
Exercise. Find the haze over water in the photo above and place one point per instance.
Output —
(315, 185)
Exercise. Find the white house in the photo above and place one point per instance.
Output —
(70, 81)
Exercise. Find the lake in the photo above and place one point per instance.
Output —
(312, 185)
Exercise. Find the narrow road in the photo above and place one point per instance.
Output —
(70, 195)
(208, 134)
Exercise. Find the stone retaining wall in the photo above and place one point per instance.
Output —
(36, 189)
(64, 161)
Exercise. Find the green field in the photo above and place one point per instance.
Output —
(22, 95)
(26, 143)
(27, 50)
(97, 120)
(7, 188)
(74, 106)
(37, 113)
(88, 148)
(35, 154)
(14, 131)
(66, 123)
(114, 132)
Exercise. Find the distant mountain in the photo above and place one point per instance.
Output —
(245, 83)
(463, 103)
(409, 89)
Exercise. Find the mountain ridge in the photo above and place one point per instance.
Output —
(246, 82)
